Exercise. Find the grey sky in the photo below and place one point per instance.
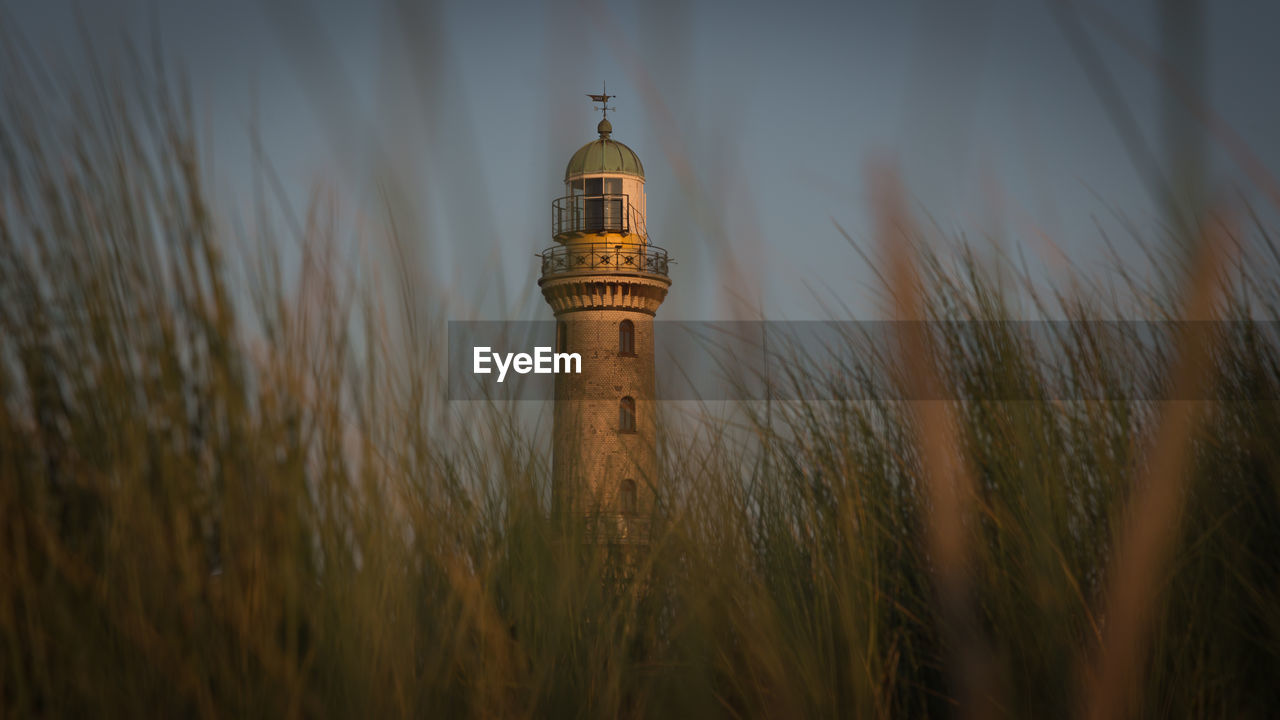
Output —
(755, 121)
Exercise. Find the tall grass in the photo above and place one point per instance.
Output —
(229, 491)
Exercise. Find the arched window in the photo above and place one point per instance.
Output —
(626, 338)
(627, 497)
(562, 337)
(627, 415)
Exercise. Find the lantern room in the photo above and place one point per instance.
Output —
(604, 194)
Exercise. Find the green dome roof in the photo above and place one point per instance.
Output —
(604, 155)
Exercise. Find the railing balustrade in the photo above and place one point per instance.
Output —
(602, 257)
(591, 214)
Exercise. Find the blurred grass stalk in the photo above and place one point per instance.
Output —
(949, 488)
(1154, 512)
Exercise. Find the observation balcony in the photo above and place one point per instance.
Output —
(595, 258)
(590, 214)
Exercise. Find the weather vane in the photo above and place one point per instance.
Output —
(603, 99)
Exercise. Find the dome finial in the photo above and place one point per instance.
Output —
(605, 128)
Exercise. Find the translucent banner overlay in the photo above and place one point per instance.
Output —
(758, 360)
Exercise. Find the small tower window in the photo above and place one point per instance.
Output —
(595, 214)
(562, 337)
(626, 338)
(613, 215)
(603, 204)
(627, 415)
(627, 497)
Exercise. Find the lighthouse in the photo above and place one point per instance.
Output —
(604, 282)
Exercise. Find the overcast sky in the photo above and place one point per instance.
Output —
(755, 121)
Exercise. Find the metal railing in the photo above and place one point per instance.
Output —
(602, 257)
(590, 213)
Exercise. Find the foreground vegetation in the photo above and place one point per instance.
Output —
(228, 492)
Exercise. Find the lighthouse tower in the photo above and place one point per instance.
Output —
(604, 281)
